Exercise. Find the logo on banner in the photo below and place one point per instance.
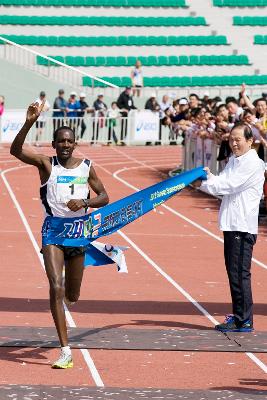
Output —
(11, 123)
(146, 126)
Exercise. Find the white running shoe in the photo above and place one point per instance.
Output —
(64, 361)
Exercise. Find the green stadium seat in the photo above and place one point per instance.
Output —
(175, 81)
(165, 81)
(162, 60)
(259, 39)
(152, 60)
(115, 80)
(70, 60)
(193, 60)
(173, 60)
(155, 81)
(111, 61)
(100, 61)
(183, 60)
(122, 41)
(90, 61)
(87, 81)
(121, 61)
(196, 81)
(41, 61)
(58, 58)
(131, 60)
(126, 81)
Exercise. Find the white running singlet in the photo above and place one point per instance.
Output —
(63, 185)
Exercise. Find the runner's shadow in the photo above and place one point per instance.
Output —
(256, 382)
(171, 324)
(20, 355)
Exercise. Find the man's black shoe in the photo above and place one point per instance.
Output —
(230, 325)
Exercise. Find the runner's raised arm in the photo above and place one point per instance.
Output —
(17, 150)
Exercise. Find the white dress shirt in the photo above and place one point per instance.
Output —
(241, 185)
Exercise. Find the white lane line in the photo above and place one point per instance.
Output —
(87, 357)
(252, 356)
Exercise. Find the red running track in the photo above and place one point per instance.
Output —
(175, 264)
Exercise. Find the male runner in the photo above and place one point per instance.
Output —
(65, 182)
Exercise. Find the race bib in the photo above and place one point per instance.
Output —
(71, 187)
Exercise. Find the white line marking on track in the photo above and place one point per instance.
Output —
(87, 357)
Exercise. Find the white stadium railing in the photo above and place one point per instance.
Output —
(26, 57)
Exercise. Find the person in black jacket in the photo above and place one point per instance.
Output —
(125, 104)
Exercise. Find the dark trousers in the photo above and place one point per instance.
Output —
(111, 132)
(238, 248)
(83, 128)
(57, 123)
(124, 124)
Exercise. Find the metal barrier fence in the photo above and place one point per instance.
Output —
(199, 152)
(91, 129)
(204, 152)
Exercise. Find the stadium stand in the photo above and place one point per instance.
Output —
(198, 41)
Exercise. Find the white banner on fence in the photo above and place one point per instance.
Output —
(144, 126)
(11, 123)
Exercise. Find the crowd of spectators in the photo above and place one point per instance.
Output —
(186, 117)
(212, 119)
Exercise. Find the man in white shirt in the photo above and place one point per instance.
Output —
(241, 185)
